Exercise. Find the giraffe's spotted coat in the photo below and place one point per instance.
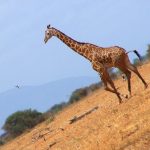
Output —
(100, 57)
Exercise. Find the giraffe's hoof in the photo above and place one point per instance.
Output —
(117, 88)
(126, 96)
(120, 102)
(146, 86)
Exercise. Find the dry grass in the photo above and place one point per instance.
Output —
(110, 127)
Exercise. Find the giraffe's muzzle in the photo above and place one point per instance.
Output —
(45, 40)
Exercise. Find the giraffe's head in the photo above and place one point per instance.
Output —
(48, 33)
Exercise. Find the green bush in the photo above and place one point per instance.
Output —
(148, 51)
(20, 121)
(78, 94)
(94, 86)
(56, 108)
(1, 142)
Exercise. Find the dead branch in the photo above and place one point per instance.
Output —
(39, 135)
(52, 144)
(76, 118)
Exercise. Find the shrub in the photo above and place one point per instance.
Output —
(1, 142)
(55, 109)
(78, 94)
(49, 118)
(148, 51)
(94, 86)
(20, 121)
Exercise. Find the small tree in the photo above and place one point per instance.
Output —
(78, 94)
(57, 107)
(95, 86)
(2, 142)
(148, 51)
(20, 121)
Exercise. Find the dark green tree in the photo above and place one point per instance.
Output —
(1, 142)
(57, 107)
(78, 94)
(20, 121)
(148, 51)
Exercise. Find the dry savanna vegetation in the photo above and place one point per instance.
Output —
(97, 122)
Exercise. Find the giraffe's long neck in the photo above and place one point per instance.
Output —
(76, 46)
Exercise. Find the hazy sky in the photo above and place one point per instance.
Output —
(26, 60)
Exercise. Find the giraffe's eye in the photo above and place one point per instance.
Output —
(48, 33)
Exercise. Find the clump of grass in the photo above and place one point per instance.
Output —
(50, 119)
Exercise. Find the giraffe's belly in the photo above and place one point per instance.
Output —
(106, 62)
(108, 65)
(108, 57)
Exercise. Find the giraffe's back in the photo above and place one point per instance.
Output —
(110, 56)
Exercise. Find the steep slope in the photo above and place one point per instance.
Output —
(110, 127)
(40, 97)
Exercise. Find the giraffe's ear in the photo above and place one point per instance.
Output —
(48, 26)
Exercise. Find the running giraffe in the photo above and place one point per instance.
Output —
(101, 59)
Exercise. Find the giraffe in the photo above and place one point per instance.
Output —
(101, 59)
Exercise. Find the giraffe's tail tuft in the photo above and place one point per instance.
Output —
(137, 53)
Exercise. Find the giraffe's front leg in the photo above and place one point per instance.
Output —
(106, 79)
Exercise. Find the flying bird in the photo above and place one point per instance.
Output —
(17, 86)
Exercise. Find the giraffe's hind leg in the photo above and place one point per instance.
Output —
(134, 69)
(124, 69)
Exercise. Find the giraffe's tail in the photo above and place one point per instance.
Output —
(137, 53)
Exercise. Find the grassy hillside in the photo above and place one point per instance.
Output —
(110, 127)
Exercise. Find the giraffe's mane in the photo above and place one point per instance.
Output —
(74, 39)
(65, 34)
